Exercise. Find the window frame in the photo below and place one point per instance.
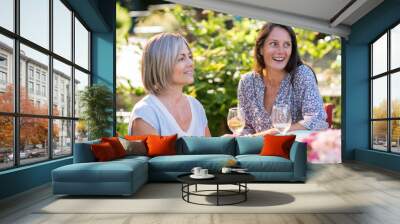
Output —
(3, 71)
(388, 74)
(16, 63)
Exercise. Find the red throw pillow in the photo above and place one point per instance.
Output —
(161, 145)
(277, 145)
(103, 151)
(116, 145)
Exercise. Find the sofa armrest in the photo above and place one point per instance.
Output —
(83, 152)
(298, 155)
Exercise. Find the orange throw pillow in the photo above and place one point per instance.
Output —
(136, 137)
(161, 145)
(116, 145)
(276, 145)
(103, 151)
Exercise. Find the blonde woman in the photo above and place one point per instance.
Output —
(167, 66)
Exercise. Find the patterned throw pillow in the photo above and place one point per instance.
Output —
(134, 147)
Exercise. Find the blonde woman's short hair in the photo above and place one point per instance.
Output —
(158, 60)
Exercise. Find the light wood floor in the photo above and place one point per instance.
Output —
(377, 188)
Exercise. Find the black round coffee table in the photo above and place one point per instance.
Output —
(238, 179)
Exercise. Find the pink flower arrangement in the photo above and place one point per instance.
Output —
(324, 146)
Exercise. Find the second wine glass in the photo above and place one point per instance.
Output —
(281, 118)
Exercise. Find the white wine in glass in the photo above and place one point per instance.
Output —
(281, 118)
(235, 120)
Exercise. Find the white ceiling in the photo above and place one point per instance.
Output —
(318, 15)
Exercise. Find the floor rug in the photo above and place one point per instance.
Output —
(167, 198)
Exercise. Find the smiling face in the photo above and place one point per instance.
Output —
(277, 49)
(183, 69)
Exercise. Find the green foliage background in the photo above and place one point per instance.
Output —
(222, 47)
(123, 24)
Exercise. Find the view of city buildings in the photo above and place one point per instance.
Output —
(34, 81)
(39, 114)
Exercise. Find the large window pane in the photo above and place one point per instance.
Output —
(6, 142)
(33, 139)
(6, 74)
(62, 29)
(379, 135)
(395, 94)
(81, 131)
(7, 14)
(395, 47)
(62, 138)
(379, 98)
(62, 89)
(395, 138)
(81, 45)
(35, 21)
(81, 81)
(34, 97)
(379, 55)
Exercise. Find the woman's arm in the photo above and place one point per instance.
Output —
(207, 132)
(141, 127)
(244, 97)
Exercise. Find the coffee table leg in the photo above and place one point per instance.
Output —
(188, 189)
(196, 188)
(182, 190)
(245, 191)
(217, 194)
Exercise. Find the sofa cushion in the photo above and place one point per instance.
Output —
(131, 158)
(206, 145)
(249, 145)
(257, 163)
(185, 163)
(111, 171)
(93, 172)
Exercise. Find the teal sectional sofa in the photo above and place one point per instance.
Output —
(125, 176)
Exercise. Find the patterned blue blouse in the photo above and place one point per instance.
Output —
(301, 94)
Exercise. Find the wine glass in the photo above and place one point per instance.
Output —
(235, 120)
(281, 118)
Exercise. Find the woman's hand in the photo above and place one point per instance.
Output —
(296, 126)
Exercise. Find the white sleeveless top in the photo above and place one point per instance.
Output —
(152, 111)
